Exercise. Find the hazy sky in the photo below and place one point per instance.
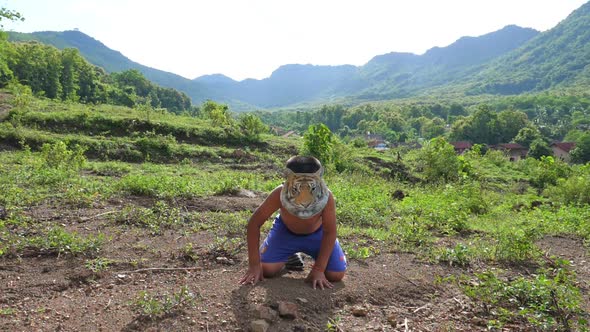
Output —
(251, 38)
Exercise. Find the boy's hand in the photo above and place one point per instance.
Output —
(318, 279)
(253, 275)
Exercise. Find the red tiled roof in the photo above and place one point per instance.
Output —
(565, 146)
(511, 146)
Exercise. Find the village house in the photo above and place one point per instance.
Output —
(461, 146)
(561, 150)
(514, 151)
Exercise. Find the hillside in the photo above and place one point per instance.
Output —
(557, 58)
(383, 77)
(402, 75)
(511, 60)
(110, 60)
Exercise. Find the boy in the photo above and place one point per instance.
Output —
(306, 223)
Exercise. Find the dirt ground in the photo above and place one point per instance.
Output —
(391, 292)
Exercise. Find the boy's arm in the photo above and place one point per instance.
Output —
(262, 213)
(329, 237)
(317, 275)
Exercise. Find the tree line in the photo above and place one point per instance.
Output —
(533, 121)
(66, 75)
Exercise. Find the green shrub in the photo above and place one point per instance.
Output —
(460, 255)
(438, 161)
(98, 264)
(156, 147)
(573, 190)
(318, 142)
(252, 127)
(549, 300)
(515, 244)
(546, 171)
(59, 156)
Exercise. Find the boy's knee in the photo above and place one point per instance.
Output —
(270, 270)
(335, 276)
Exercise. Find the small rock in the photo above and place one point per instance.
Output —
(299, 328)
(392, 320)
(359, 311)
(288, 310)
(246, 193)
(302, 300)
(259, 326)
(266, 313)
(225, 261)
(398, 195)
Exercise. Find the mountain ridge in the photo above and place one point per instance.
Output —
(507, 61)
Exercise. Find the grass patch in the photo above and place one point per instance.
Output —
(548, 300)
(154, 306)
(58, 241)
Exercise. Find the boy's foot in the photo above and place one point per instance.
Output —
(295, 262)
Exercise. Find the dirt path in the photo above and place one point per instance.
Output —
(60, 294)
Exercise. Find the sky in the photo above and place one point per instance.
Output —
(252, 38)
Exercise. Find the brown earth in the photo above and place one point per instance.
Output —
(391, 292)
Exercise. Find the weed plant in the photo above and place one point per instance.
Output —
(159, 306)
(98, 264)
(58, 241)
(549, 300)
(161, 215)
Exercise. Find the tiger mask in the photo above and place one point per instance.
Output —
(304, 194)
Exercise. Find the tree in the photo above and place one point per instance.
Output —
(6, 48)
(318, 142)
(438, 161)
(38, 66)
(70, 77)
(251, 126)
(7, 52)
(135, 79)
(527, 135)
(539, 148)
(581, 153)
(481, 127)
(7, 14)
(217, 113)
(510, 122)
(433, 128)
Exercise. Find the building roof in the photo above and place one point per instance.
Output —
(565, 146)
(462, 144)
(510, 146)
(375, 142)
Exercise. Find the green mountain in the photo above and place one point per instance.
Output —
(396, 75)
(112, 61)
(559, 57)
(385, 76)
(511, 60)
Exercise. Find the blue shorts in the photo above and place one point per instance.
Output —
(281, 243)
